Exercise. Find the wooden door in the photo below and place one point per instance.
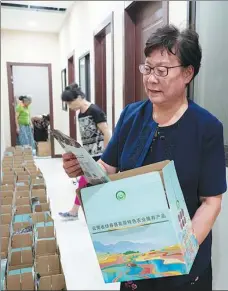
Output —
(142, 18)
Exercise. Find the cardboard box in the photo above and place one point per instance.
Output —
(23, 201)
(22, 240)
(20, 225)
(6, 201)
(23, 209)
(5, 230)
(8, 180)
(41, 194)
(54, 282)
(22, 258)
(44, 149)
(48, 265)
(45, 247)
(6, 218)
(4, 194)
(46, 231)
(4, 247)
(42, 207)
(41, 217)
(116, 220)
(6, 209)
(20, 218)
(22, 194)
(21, 279)
(7, 188)
(22, 188)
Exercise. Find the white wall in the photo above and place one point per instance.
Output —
(89, 15)
(31, 47)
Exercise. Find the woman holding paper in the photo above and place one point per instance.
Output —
(170, 126)
(95, 133)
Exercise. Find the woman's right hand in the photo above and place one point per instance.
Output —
(17, 130)
(71, 165)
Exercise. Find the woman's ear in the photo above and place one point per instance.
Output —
(188, 74)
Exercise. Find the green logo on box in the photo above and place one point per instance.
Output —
(120, 195)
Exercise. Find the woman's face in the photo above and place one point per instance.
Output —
(75, 104)
(27, 103)
(171, 87)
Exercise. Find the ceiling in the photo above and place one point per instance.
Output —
(31, 19)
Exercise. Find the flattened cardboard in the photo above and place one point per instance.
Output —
(6, 218)
(54, 282)
(46, 247)
(23, 201)
(6, 209)
(5, 230)
(21, 240)
(21, 259)
(23, 209)
(20, 282)
(48, 265)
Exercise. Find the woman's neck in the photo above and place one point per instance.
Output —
(84, 106)
(169, 114)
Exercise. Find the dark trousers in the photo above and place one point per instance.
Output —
(200, 283)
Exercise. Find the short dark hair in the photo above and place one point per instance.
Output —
(72, 92)
(184, 44)
(25, 98)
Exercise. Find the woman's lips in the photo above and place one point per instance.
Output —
(155, 91)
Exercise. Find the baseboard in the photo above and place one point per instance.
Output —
(57, 156)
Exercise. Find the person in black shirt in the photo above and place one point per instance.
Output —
(94, 130)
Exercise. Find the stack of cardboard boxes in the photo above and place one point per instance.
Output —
(30, 257)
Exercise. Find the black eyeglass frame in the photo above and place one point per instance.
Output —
(154, 69)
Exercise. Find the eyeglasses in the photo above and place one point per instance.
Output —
(160, 71)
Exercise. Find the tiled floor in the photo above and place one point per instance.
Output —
(78, 257)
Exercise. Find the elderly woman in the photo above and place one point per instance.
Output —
(169, 126)
(24, 123)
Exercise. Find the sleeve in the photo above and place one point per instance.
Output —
(98, 115)
(212, 180)
(18, 108)
(111, 153)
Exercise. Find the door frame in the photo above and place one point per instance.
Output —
(129, 95)
(11, 99)
(107, 26)
(88, 83)
(72, 113)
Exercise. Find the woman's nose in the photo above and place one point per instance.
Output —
(152, 78)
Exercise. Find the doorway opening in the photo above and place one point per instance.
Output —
(36, 80)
